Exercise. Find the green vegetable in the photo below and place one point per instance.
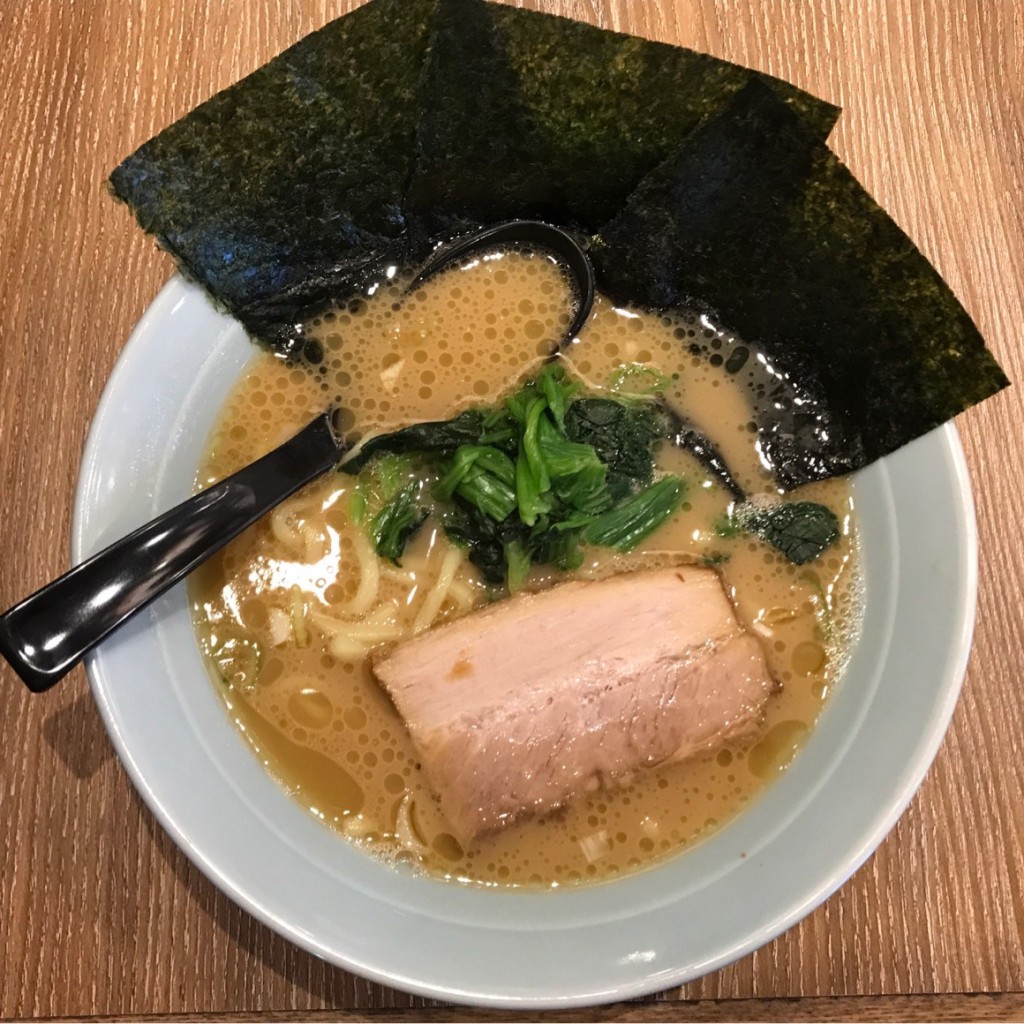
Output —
(386, 501)
(484, 477)
(624, 526)
(801, 530)
(558, 390)
(522, 484)
(442, 436)
(528, 482)
(728, 526)
(486, 541)
(562, 457)
(622, 434)
(530, 444)
(638, 379)
(518, 560)
(391, 528)
(378, 485)
(531, 485)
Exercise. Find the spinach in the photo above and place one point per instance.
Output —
(801, 530)
(484, 539)
(484, 477)
(531, 481)
(434, 437)
(386, 500)
(728, 526)
(548, 471)
(621, 433)
(518, 560)
(391, 528)
(379, 485)
(624, 526)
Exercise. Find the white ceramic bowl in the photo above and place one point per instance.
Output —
(661, 927)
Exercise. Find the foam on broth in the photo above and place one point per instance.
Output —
(318, 720)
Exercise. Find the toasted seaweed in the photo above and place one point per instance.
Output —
(394, 126)
(287, 189)
(754, 220)
(709, 185)
(532, 115)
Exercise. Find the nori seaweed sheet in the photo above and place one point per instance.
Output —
(755, 220)
(533, 115)
(710, 186)
(349, 150)
(287, 189)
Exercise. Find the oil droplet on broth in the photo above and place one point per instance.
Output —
(447, 846)
(809, 658)
(311, 707)
(397, 359)
(777, 749)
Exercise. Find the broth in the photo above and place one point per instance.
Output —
(308, 704)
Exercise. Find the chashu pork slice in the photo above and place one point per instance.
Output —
(517, 707)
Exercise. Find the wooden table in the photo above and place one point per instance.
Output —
(99, 913)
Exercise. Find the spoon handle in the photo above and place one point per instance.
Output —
(47, 634)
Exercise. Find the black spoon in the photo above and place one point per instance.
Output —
(530, 234)
(47, 634)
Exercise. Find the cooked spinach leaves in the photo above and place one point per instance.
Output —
(436, 437)
(537, 477)
(628, 523)
(393, 526)
(621, 433)
(800, 530)
(388, 501)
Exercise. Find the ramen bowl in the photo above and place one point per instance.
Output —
(659, 927)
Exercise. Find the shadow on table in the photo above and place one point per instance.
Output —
(76, 735)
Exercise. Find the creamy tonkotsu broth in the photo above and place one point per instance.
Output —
(290, 612)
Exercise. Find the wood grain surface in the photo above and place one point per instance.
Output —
(99, 913)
